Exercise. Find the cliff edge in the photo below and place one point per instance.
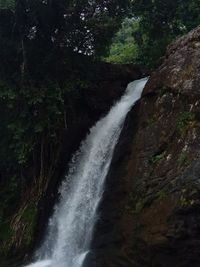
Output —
(150, 214)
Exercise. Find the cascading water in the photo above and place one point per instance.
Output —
(71, 226)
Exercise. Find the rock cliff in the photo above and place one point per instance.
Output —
(150, 213)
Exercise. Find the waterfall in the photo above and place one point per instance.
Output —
(70, 229)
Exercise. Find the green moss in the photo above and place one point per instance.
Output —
(162, 194)
(185, 202)
(139, 206)
(183, 159)
(185, 121)
(189, 196)
(156, 158)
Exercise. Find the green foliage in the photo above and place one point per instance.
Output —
(7, 4)
(31, 112)
(139, 206)
(47, 50)
(48, 34)
(160, 23)
(120, 53)
(183, 159)
(162, 194)
(156, 158)
(43, 51)
(156, 24)
(124, 48)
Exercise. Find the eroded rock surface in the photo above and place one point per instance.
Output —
(150, 214)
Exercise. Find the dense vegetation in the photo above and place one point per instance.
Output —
(46, 52)
(124, 48)
(47, 48)
(155, 24)
(40, 43)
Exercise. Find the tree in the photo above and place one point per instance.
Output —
(156, 23)
(48, 32)
(7, 4)
(161, 22)
(123, 48)
(46, 47)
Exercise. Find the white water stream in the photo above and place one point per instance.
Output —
(71, 227)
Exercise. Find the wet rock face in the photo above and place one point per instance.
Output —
(150, 214)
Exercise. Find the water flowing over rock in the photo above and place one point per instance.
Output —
(150, 213)
(70, 229)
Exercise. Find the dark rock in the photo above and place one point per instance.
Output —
(180, 71)
(149, 215)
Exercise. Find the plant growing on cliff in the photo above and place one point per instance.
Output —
(186, 121)
(156, 158)
(183, 159)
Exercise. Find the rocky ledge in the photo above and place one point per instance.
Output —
(150, 214)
